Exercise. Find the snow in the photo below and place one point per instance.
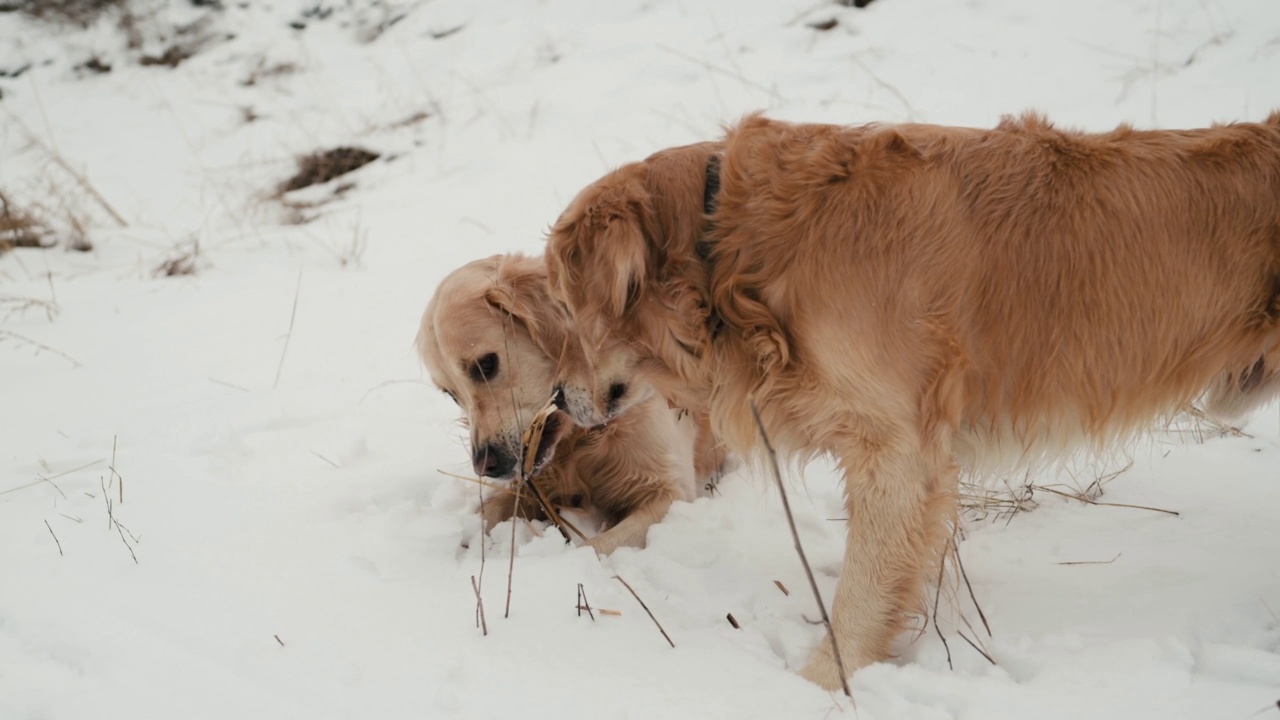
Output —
(278, 475)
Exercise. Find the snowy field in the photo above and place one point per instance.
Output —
(225, 490)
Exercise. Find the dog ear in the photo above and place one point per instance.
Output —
(519, 291)
(598, 250)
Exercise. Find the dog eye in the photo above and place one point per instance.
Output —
(485, 368)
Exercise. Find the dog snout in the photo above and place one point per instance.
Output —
(492, 461)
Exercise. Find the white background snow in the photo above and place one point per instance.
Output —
(299, 552)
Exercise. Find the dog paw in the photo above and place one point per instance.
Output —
(823, 673)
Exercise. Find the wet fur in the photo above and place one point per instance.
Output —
(629, 471)
(914, 299)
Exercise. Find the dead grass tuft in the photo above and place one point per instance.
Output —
(183, 260)
(322, 166)
(19, 227)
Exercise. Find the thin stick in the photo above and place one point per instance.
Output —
(646, 609)
(126, 544)
(511, 565)
(277, 637)
(584, 604)
(974, 645)
(937, 594)
(293, 314)
(39, 346)
(795, 535)
(1092, 562)
(55, 487)
(114, 472)
(480, 579)
(233, 386)
(55, 537)
(484, 625)
(782, 587)
(733, 622)
(313, 452)
(974, 598)
(1084, 499)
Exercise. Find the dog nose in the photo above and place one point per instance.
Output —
(491, 461)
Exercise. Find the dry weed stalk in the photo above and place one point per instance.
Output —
(293, 315)
(646, 609)
(55, 537)
(795, 536)
(584, 604)
(480, 621)
(39, 346)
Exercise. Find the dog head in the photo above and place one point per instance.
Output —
(494, 341)
(622, 259)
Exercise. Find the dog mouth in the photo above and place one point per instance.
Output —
(553, 430)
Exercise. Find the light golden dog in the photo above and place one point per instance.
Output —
(493, 340)
(913, 299)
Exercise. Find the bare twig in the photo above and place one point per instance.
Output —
(277, 637)
(974, 645)
(293, 314)
(39, 346)
(583, 604)
(1086, 499)
(795, 535)
(782, 587)
(733, 622)
(484, 625)
(115, 474)
(937, 594)
(133, 555)
(1092, 562)
(646, 609)
(480, 580)
(55, 537)
(974, 598)
(511, 564)
(233, 386)
(44, 479)
(313, 452)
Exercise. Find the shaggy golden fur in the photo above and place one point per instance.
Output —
(630, 471)
(914, 299)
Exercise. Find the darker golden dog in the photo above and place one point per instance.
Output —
(916, 299)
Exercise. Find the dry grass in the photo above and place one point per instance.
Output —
(182, 260)
(322, 166)
(20, 227)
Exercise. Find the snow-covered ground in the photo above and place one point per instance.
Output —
(225, 494)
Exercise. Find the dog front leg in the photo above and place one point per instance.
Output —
(899, 505)
(634, 528)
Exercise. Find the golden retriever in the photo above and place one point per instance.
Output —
(493, 340)
(917, 299)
